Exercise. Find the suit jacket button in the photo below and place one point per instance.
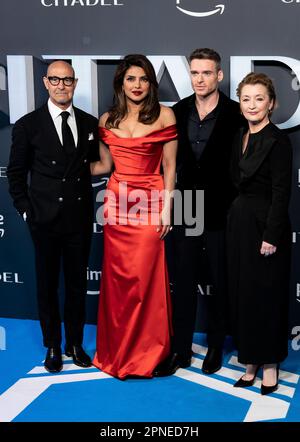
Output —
(53, 162)
(60, 199)
(79, 198)
(85, 160)
(63, 180)
(78, 179)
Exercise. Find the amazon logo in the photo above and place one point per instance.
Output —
(218, 9)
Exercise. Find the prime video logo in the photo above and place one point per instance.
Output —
(2, 338)
(217, 9)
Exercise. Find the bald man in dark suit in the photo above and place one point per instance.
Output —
(55, 145)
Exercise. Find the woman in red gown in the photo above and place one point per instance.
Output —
(134, 322)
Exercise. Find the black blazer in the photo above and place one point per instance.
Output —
(212, 172)
(263, 176)
(58, 184)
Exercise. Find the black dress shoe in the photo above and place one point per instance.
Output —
(170, 365)
(247, 383)
(213, 360)
(53, 361)
(264, 389)
(79, 356)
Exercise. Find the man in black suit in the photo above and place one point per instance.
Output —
(55, 144)
(207, 122)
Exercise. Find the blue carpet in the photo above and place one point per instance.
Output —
(82, 395)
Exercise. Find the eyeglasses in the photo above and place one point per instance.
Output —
(67, 81)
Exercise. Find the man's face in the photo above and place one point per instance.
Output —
(205, 77)
(61, 95)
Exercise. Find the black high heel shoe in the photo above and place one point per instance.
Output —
(264, 389)
(247, 383)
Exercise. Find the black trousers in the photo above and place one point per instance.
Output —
(54, 249)
(200, 259)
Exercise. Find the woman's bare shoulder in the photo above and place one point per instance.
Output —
(103, 118)
(167, 116)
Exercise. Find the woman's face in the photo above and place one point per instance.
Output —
(136, 84)
(255, 103)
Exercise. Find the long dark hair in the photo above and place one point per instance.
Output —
(150, 110)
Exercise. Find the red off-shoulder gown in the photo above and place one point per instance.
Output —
(134, 319)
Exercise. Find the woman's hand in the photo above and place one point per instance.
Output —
(164, 223)
(267, 249)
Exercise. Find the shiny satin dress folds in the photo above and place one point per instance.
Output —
(134, 321)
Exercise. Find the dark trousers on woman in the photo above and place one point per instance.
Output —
(201, 260)
(70, 250)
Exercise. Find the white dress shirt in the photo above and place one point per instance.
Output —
(55, 112)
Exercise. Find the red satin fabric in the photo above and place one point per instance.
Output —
(134, 320)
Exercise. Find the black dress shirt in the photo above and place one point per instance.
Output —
(199, 131)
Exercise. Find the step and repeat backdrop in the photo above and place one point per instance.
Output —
(260, 35)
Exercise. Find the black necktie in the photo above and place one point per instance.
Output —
(67, 136)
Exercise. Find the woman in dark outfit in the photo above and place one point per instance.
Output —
(259, 236)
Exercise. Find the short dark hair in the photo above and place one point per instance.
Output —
(206, 54)
(258, 78)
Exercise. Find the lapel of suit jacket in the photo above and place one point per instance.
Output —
(182, 123)
(81, 144)
(250, 162)
(214, 141)
(80, 130)
(220, 126)
(52, 141)
(236, 156)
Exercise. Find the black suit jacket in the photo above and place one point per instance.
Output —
(212, 172)
(59, 186)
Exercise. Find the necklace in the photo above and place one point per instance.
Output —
(202, 112)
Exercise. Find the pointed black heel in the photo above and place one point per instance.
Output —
(243, 383)
(264, 389)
